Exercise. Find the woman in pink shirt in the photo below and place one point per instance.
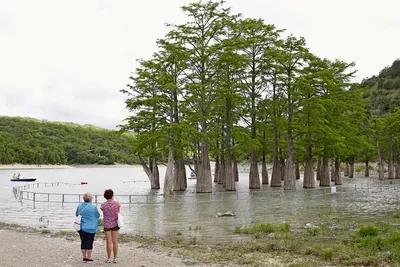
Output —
(110, 210)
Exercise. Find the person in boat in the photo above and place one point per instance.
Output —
(192, 175)
(89, 225)
(18, 176)
(14, 176)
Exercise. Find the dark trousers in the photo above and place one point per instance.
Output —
(86, 240)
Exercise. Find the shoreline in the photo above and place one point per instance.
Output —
(49, 166)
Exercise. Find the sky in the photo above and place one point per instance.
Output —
(67, 60)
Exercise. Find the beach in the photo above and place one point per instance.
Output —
(23, 248)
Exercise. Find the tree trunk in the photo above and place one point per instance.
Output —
(216, 170)
(297, 169)
(254, 176)
(351, 169)
(222, 169)
(366, 173)
(276, 174)
(264, 170)
(229, 178)
(325, 181)
(308, 179)
(391, 163)
(151, 172)
(397, 169)
(337, 174)
(283, 169)
(235, 170)
(169, 180)
(276, 170)
(332, 170)
(290, 179)
(319, 169)
(380, 163)
(204, 182)
(180, 176)
(346, 168)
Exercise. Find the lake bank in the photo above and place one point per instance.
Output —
(63, 249)
(49, 166)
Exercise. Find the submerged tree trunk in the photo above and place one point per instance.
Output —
(351, 169)
(380, 163)
(283, 169)
(319, 169)
(366, 172)
(276, 171)
(151, 172)
(229, 178)
(204, 182)
(222, 169)
(235, 169)
(391, 163)
(346, 168)
(325, 181)
(332, 170)
(216, 170)
(337, 174)
(290, 179)
(297, 169)
(169, 180)
(254, 176)
(180, 176)
(308, 179)
(397, 169)
(264, 170)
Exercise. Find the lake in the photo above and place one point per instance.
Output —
(187, 211)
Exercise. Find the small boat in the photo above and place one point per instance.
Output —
(23, 179)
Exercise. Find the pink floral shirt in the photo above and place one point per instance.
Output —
(110, 213)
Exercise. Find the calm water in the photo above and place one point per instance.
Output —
(188, 210)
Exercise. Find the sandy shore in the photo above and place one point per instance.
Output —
(23, 167)
(25, 248)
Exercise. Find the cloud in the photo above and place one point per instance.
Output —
(67, 60)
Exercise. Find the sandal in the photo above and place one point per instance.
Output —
(108, 261)
(115, 260)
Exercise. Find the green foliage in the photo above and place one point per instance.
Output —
(263, 228)
(368, 231)
(31, 141)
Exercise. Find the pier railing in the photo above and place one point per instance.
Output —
(25, 192)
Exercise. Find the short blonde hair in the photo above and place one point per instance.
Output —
(87, 197)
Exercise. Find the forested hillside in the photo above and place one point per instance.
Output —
(384, 90)
(31, 141)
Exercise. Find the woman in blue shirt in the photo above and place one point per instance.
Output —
(89, 225)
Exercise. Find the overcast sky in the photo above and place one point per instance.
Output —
(67, 60)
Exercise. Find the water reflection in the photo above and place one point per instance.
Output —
(362, 199)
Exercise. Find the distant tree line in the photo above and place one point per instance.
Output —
(31, 141)
(225, 88)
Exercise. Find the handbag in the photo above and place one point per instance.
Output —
(78, 219)
(120, 220)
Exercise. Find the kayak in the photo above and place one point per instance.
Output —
(25, 179)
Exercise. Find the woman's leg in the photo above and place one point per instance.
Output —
(89, 245)
(114, 235)
(108, 243)
(83, 240)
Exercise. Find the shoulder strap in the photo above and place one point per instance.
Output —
(83, 209)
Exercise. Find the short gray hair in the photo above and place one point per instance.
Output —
(88, 197)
